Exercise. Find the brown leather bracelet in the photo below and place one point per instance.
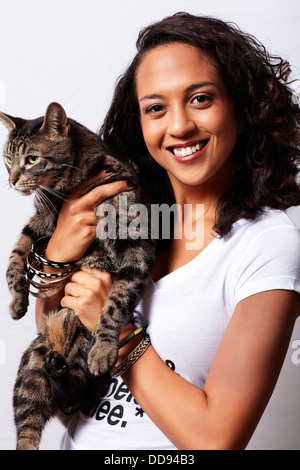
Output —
(132, 358)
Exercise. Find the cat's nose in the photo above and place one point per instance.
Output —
(12, 182)
(13, 179)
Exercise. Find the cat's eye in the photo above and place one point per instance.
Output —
(32, 159)
(8, 160)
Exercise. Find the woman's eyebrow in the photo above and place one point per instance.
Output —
(196, 86)
(190, 89)
(153, 96)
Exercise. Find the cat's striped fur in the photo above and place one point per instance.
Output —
(66, 367)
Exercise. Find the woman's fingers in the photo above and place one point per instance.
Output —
(94, 197)
(86, 294)
(102, 175)
(76, 224)
(91, 278)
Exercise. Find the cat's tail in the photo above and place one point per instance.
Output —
(32, 400)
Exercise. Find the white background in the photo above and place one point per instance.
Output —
(72, 51)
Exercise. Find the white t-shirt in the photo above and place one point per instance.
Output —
(187, 313)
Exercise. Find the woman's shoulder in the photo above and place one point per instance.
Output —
(267, 220)
(272, 231)
(267, 254)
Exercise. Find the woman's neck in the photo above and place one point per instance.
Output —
(196, 217)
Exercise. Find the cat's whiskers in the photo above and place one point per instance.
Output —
(71, 166)
(46, 202)
(40, 197)
(5, 184)
(54, 192)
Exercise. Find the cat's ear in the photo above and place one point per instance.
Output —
(10, 122)
(55, 122)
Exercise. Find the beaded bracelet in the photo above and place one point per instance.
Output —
(132, 358)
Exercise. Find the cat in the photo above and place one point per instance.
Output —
(67, 368)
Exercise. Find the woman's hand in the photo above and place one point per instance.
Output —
(86, 293)
(76, 224)
(75, 231)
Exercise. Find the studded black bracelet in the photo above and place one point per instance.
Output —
(39, 248)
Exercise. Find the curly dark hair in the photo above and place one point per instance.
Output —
(268, 149)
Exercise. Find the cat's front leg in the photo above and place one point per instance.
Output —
(16, 278)
(103, 355)
(124, 295)
(16, 271)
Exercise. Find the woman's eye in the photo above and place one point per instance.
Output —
(8, 160)
(156, 108)
(32, 159)
(201, 99)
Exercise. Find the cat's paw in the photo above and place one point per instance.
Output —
(54, 364)
(102, 357)
(20, 295)
(18, 306)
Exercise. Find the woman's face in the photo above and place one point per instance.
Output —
(187, 116)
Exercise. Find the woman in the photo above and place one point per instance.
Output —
(206, 115)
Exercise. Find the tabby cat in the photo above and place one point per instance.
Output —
(67, 368)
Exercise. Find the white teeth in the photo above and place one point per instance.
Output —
(185, 151)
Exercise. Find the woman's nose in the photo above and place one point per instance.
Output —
(180, 123)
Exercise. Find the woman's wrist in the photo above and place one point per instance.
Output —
(129, 347)
(54, 253)
(132, 346)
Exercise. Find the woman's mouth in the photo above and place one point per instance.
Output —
(190, 152)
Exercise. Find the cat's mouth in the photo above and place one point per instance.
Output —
(23, 188)
(26, 188)
(25, 191)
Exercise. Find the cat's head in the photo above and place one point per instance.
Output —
(37, 150)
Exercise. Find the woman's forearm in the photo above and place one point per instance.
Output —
(178, 414)
(45, 306)
(240, 382)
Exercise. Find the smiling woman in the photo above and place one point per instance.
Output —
(265, 173)
(206, 116)
(184, 104)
